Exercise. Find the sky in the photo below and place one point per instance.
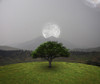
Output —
(23, 20)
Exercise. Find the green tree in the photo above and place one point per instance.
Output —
(50, 50)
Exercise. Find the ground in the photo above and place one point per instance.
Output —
(40, 73)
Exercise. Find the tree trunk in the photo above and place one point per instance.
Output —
(50, 63)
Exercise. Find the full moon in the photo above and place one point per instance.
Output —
(51, 30)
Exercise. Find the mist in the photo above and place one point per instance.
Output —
(23, 20)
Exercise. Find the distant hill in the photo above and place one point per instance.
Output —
(97, 49)
(33, 44)
(17, 56)
(8, 48)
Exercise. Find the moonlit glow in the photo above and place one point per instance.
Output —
(51, 30)
(93, 3)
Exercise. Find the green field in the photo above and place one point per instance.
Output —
(39, 73)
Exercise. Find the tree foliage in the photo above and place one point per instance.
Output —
(50, 50)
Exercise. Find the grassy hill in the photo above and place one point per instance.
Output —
(39, 73)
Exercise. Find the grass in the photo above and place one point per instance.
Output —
(39, 73)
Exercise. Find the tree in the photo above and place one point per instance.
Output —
(50, 50)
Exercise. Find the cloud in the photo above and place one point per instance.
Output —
(93, 3)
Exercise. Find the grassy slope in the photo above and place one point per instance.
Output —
(39, 73)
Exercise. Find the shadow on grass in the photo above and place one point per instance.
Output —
(46, 68)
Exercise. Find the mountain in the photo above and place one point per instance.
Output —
(33, 44)
(8, 48)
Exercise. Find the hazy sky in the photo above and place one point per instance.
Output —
(23, 20)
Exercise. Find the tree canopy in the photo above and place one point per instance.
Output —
(50, 50)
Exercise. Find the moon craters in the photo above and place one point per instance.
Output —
(51, 30)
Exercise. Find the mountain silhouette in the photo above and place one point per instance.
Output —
(33, 44)
(8, 48)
